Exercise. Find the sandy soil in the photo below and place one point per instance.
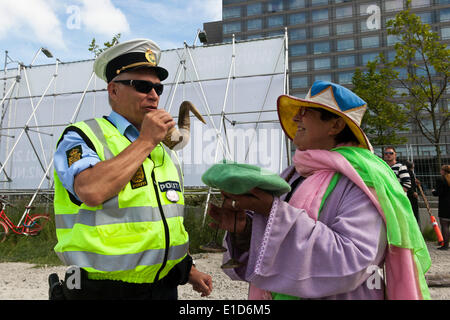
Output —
(21, 281)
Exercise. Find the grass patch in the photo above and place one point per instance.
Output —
(39, 249)
(30, 249)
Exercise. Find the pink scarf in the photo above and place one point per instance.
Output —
(319, 167)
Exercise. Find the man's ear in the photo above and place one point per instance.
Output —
(112, 90)
(337, 127)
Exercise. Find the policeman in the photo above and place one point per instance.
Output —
(118, 190)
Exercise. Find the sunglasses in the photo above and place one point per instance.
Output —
(143, 86)
(388, 153)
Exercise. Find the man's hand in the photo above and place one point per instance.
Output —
(201, 282)
(155, 126)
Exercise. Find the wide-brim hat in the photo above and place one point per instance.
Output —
(331, 97)
(127, 56)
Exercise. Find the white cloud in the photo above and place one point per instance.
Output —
(102, 17)
(31, 20)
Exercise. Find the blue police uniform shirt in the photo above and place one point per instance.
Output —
(88, 157)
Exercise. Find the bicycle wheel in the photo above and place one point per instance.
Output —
(3, 231)
(37, 223)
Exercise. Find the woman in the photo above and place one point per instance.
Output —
(442, 190)
(329, 237)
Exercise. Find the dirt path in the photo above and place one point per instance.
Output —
(22, 281)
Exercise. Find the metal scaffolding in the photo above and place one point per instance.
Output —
(235, 87)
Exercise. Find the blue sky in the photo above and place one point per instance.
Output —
(66, 27)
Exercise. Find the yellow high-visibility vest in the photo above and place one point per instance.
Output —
(138, 235)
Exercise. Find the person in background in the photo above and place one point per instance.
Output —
(412, 194)
(442, 191)
(400, 170)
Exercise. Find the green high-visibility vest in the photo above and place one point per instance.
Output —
(138, 235)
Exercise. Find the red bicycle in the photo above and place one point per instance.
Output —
(29, 225)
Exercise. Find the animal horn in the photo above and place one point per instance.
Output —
(177, 139)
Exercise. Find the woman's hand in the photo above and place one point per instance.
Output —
(258, 201)
(227, 219)
(232, 217)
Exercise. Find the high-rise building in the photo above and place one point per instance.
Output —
(329, 39)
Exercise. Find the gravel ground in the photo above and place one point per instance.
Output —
(21, 281)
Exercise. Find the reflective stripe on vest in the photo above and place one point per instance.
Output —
(125, 238)
(111, 263)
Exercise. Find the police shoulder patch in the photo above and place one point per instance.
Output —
(139, 179)
(73, 155)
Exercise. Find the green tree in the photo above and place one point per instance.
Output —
(95, 48)
(383, 118)
(426, 61)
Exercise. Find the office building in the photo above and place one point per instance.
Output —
(329, 39)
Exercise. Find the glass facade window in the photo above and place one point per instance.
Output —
(363, 8)
(231, 12)
(345, 44)
(254, 24)
(254, 9)
(346, 61)
(231, 27)
(275, 21)
(319, 15)
(420, 3)
(343, 12)
(299, 66)
(321, 31)
(444, 15)
(391, 54)
(393, 5)
(296, 50)
(254, 36)
(322, 63)
(294, 4)
(369, 56)
(345, 77)
(297, 18)
(392, 39)
(426, 17)
(370, 42)
(275, 6)
(319, 2)
(323, 77)
(344, 28)
(444, 1)
(297, 34)
(402, 73)
(363, 26)
(321, 47)
(299, 82)
(275, 33)
(445, 33)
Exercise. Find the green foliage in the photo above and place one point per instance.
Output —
(427, 62)
(383, 118)
(96, 50)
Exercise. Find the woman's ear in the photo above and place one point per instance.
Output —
(338, 125)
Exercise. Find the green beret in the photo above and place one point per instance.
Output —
(240, 178)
